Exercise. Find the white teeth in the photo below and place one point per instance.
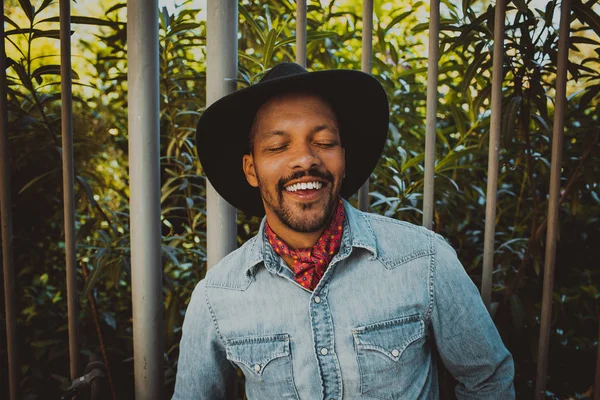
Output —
(304, 186)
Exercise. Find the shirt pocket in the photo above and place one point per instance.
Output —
(266, 362)
(390, 356)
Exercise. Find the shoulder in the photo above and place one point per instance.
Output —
(383, 225)
(401, 241)
(230, 272)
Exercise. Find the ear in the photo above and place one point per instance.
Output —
(249, 170)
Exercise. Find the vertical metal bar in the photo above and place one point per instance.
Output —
(144, 172)
(554, 196)
(8, 267)
(68, 183)
(366, 66)
(597, 375)
(495, 128)
(221, 73)
(431, 121)
(301, 32)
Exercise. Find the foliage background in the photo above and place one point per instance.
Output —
(334, 36)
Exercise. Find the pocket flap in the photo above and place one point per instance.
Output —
(256, 352)
(391, 337)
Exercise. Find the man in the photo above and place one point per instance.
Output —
(326, 302)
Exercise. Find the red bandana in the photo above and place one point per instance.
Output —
(310, 264)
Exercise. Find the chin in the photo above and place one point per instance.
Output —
(307, 217)
(309, 222)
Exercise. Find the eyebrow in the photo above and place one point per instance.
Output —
(316, 129)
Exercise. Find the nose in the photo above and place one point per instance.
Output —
(304, 157)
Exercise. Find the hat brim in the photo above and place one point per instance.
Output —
(357, 99)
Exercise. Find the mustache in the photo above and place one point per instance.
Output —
(328, 176)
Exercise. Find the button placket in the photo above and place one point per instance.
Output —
(322, 328)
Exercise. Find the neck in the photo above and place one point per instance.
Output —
(294, 239)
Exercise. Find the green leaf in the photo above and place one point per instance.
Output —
(413, 162)
(269, 47)
(37, 179)
(250, 19)
(188, 26)
(43, 6)
(76, 19)
(50, 70)
(11, 22)
(51, 33)
(587, 16)
(91, 281)
(542, 123)
(245, 56)
(396, 20)
(25, 79)
(268, 17)
(454, 156)
(583, 39)
(310, 37)
(510, 118)
(115, 8)
(46, 98)
(20, 31)
(27, 8)
(521, 6)
(472, 70)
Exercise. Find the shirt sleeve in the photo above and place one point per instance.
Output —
(467, 339)
(203, 371)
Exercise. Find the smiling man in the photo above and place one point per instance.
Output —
(326, 302)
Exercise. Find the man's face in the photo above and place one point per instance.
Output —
(297, 161)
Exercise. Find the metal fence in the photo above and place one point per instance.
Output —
(143, 129)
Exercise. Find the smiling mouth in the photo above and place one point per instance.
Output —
(304, 186)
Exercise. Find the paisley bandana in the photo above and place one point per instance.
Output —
(310, 264)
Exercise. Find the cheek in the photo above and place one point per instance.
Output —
(269, 171)
(335, 163)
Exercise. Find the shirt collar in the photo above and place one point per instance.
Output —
(357, 232)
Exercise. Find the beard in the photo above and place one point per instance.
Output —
(300, 217)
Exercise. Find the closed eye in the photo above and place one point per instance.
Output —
(276, 148)
(327, 144)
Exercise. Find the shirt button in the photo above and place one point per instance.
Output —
(324, 351)
(395, 353)
(317, 299)
(257, 367)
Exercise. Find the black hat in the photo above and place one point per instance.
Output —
(357, 99)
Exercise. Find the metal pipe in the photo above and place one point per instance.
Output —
(366, 66)
(597, 375)
(221, 73)
(301, 32)
(8, 267)
(431, 120)
(66, 98)
(495, 129)
(144, 172)
(554, 196)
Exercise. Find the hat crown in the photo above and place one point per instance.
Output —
(282, 70)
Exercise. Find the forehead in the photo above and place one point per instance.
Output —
(296, 106)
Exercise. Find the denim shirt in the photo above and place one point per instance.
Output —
(392, 293)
